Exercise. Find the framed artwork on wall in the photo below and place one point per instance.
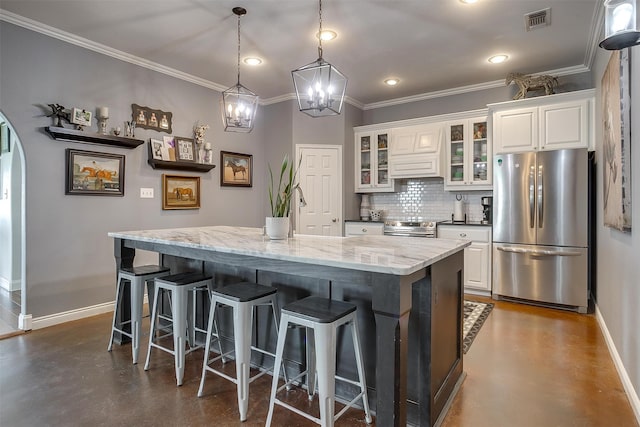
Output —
(94, 174)
(149, 118)
(180, 192)
(236, 169)
(616, 142)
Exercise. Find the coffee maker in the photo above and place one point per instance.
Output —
(487, 209)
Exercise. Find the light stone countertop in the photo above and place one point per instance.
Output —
(380, 254)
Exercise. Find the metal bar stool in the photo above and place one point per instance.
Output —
(137, 277)
(243, 298)
(323, 316)
(179, 286)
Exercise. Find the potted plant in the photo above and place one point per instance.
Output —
(277, 225)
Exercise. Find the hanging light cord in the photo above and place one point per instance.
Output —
(238, 49)
(320, 32)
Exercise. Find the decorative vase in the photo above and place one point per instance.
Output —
(365, 206)
(277, 228)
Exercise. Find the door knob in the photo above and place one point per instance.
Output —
(334, 220)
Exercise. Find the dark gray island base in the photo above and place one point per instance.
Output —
(410, 322)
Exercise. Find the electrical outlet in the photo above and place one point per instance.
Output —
(146, 193)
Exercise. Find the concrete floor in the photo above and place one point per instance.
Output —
(528, 366)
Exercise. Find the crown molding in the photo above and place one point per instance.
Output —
(56, 33)
(597, 23)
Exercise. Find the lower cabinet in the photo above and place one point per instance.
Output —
(363, 228)
(477, 256)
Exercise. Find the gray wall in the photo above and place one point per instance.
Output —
(618, 287)
(70, 258)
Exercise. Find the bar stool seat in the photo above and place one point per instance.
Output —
(243, 298)
(322, 316)
(183, 327)
(137, 277)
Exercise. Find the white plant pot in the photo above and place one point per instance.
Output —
(277, 227)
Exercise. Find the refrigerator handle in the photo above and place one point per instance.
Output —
(540, 196)
(531, 197)
(533, 252)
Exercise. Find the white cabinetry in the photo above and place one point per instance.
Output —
(363, 228)
(467, 155)
(415, 151)
(477, 256)
(372, 162)
(544, 123)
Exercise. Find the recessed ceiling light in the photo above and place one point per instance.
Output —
(252, 61)
(468, 1)
(327, 35)
(392, 81)
(498, 59)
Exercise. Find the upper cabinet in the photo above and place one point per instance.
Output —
(544, 123)
(415, 151)
(466, 155)
(372, 162)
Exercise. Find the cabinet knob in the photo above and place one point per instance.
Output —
(463, 234)
(364, 230)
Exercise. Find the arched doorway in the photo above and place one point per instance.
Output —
(12, 231)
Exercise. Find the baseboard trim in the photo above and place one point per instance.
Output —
(68, 316)
(632, 395)
(9, 285)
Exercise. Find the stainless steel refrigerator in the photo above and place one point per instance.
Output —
(542, 227)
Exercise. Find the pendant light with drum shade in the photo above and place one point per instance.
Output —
(239, 104)
(621, 29)
(319, 86)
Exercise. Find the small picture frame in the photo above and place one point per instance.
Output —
(158, 150)
(185, 149)
(180, 192)
(94, 174)
(236, 169)
(81, 117)
(149, 118)
(170, 146)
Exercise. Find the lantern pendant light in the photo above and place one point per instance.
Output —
(319, 86)
(620, 28)
(239, 104)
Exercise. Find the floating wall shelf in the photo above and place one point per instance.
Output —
(183, 166)
(72, 135)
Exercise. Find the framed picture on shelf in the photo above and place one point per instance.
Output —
(180, 192)
(95, 174)
(81, 117)
(185, 149)
(158, 150)
(149, 118)
(236, 169)
(170, 147)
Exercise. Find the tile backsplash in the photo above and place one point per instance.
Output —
(424, 199)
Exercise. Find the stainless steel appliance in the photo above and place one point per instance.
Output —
(542, 226)
(487, 209)
(410, 228)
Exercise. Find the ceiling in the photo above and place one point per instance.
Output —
(430, 45)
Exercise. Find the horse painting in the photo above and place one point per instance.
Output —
(184, 193)
(98, 173)
(237, 169)
(528, 83)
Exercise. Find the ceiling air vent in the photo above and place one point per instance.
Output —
(539, 19)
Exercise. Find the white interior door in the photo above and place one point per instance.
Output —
(320, 179)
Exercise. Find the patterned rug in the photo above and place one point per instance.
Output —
(475, 313)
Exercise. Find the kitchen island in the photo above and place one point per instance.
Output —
(408, 293)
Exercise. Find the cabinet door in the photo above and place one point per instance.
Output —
(564, 125)
(382, 161)
(476, 266)
(363, 158)
(479, 171)
(515, 130)
(455, 173)
(416, 139)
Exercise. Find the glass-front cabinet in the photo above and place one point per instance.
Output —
(468, 155)
(372, 162)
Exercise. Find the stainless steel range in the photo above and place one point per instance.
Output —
(410, 228)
